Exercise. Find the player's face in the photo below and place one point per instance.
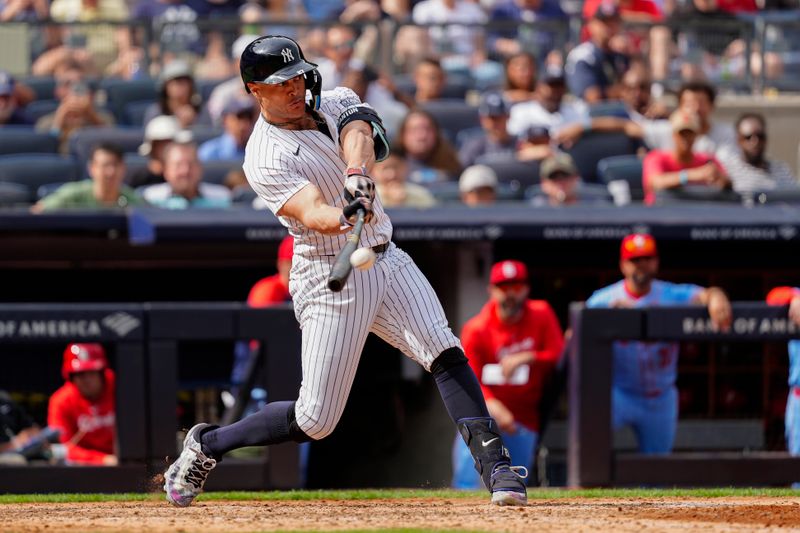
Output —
(281, 102)
(89, 384)
(640, 271)
(510, 297)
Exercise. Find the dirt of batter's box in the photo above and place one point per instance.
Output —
(574, 514)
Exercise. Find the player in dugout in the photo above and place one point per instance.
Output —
(83, 409)
(791, 296)
(513, 345)
(644, 395)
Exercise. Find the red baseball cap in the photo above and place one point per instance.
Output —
(638, 245)
(286, 249)
(83, 357)
(782, 295)
(508, 272)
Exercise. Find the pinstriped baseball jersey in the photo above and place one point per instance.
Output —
(278, 163)
(392, 299)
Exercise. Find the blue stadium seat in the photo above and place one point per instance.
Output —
(135, 112)
(215, 171)
(453, 116)
(610, 108)
(43, 86)
(35, 170)
(120, 93)
(48, 188)
(82, 141)
(696, 193)
(19, 139)
(521, 173)
(594, 146)
(133, 164)
(202, 134)
(12, 194)
(627, 168)
(39, 108)
(244, 196)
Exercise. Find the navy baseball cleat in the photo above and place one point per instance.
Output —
(185, 478)
(508, 485)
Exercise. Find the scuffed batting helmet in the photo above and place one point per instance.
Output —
(274, 59)
(83, 357)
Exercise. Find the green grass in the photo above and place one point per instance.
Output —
(533, 494)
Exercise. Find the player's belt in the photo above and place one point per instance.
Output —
(380, 248)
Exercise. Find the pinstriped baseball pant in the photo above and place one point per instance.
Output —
(393, 299)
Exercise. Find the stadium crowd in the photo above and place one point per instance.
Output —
(490, 101)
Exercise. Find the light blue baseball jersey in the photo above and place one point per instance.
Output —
(645, 368)
(794, 363)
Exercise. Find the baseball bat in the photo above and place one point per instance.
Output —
(341, 268)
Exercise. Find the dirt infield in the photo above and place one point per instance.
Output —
(567, 514)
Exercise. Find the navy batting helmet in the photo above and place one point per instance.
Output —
(274, 59)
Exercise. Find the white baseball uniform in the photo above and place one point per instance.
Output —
(393, 299)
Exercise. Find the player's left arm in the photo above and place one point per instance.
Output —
(719, 306)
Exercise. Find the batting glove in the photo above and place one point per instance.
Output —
(350, 211)
(358, 185)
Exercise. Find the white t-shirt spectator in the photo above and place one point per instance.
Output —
(532, 113)
(453, 39)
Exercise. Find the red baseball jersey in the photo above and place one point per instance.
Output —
(88, 429)
(268, 291)
(486, 340)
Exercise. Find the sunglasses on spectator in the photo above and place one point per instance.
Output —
(760, 135)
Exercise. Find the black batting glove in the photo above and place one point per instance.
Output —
(350, 211)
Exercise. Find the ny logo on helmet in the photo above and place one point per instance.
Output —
(287, 55)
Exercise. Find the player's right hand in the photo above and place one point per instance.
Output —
(350, 211)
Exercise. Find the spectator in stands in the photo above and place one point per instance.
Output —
(239, 116)
(791, 296)
(380, 93)
(429, 155)
(10, 111)
(548, 107)
(103, 189)
(232, 88)
(184, 188)
(749, 168)
(637, 95)
(513, 346)
(83, 409)
(534, 144)
(158, 133)
(520, 85)
(593, 69)
(340, 43)
(559, 180)
(275, 289)
(393, 187)
(24, 10)
(459, 46)
(175, 23)
(177, 95)
(478, 186)
(508, 42)
(495, 139)
(672, 169)
(694, 97)
(429, 80)
(76, 109)
(644, 395)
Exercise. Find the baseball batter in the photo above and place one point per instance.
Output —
(309, 160)
(791, 296)
(644, 395)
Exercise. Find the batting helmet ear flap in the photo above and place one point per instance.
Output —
(314, 84)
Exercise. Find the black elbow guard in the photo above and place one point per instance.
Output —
(367, 114)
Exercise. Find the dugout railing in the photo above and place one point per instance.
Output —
(591, 459)
(146, 340)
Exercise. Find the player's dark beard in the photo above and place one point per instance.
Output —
(642, 280)
(511, 306)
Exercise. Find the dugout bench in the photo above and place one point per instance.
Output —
(146, 340)
(591, 460)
